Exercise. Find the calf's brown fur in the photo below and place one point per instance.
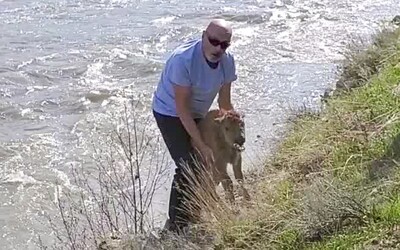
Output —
(224, 133)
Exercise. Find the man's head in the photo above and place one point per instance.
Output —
(216, 39)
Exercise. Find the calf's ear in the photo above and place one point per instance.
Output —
(220, 116)
(219, 119)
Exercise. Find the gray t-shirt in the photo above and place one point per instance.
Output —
(187, 66)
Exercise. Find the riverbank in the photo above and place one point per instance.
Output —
(333, 182)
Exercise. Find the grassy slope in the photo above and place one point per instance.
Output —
(334, 181)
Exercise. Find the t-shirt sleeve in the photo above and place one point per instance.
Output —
(230, 70)
(178, 73)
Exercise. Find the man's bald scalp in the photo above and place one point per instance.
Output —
(219, 26)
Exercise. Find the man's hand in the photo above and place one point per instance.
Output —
(182, 97)
(207, 155)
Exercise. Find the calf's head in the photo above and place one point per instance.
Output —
(231, 126)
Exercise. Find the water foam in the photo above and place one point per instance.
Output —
(245, 36)
(163, 20)
(93, 75)
(19, 177)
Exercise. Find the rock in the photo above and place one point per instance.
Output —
(193, 239)
(396, 90)
(327, 94)
(127, 242)
(396, 20)
(380, 169)
(375, 242)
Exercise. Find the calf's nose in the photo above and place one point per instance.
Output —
(240, 140)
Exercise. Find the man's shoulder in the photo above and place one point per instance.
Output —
(187, 46)
(229, 67)
(229, 58)
(185, 51)
(228, 61)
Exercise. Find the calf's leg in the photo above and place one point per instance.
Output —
(226, 181)
(237, 171)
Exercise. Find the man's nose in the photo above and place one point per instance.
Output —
(219, 47)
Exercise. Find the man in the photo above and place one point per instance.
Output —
(194, 74)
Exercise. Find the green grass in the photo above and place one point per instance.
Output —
(349, 130)
(386, 219)
(342, 189)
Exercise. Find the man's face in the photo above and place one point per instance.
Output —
(215, 44)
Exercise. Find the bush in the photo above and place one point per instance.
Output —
(113, 201)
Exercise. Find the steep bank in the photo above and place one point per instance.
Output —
(333, 182)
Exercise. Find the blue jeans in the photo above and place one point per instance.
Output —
(180, 148)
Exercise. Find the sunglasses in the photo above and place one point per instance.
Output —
(216, 42)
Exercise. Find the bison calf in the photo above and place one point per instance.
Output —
(224, 133)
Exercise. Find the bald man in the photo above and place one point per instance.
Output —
(194, 74)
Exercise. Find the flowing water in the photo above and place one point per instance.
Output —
(67, 66)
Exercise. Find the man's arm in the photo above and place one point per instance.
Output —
(224, 97)
(182, 97)
(179, 75)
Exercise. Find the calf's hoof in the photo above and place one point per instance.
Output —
(230, 197)
(246, 195)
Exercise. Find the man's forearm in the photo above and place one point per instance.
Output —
(226, 106)
(224, 97)
(183, 95)
(191, 128)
